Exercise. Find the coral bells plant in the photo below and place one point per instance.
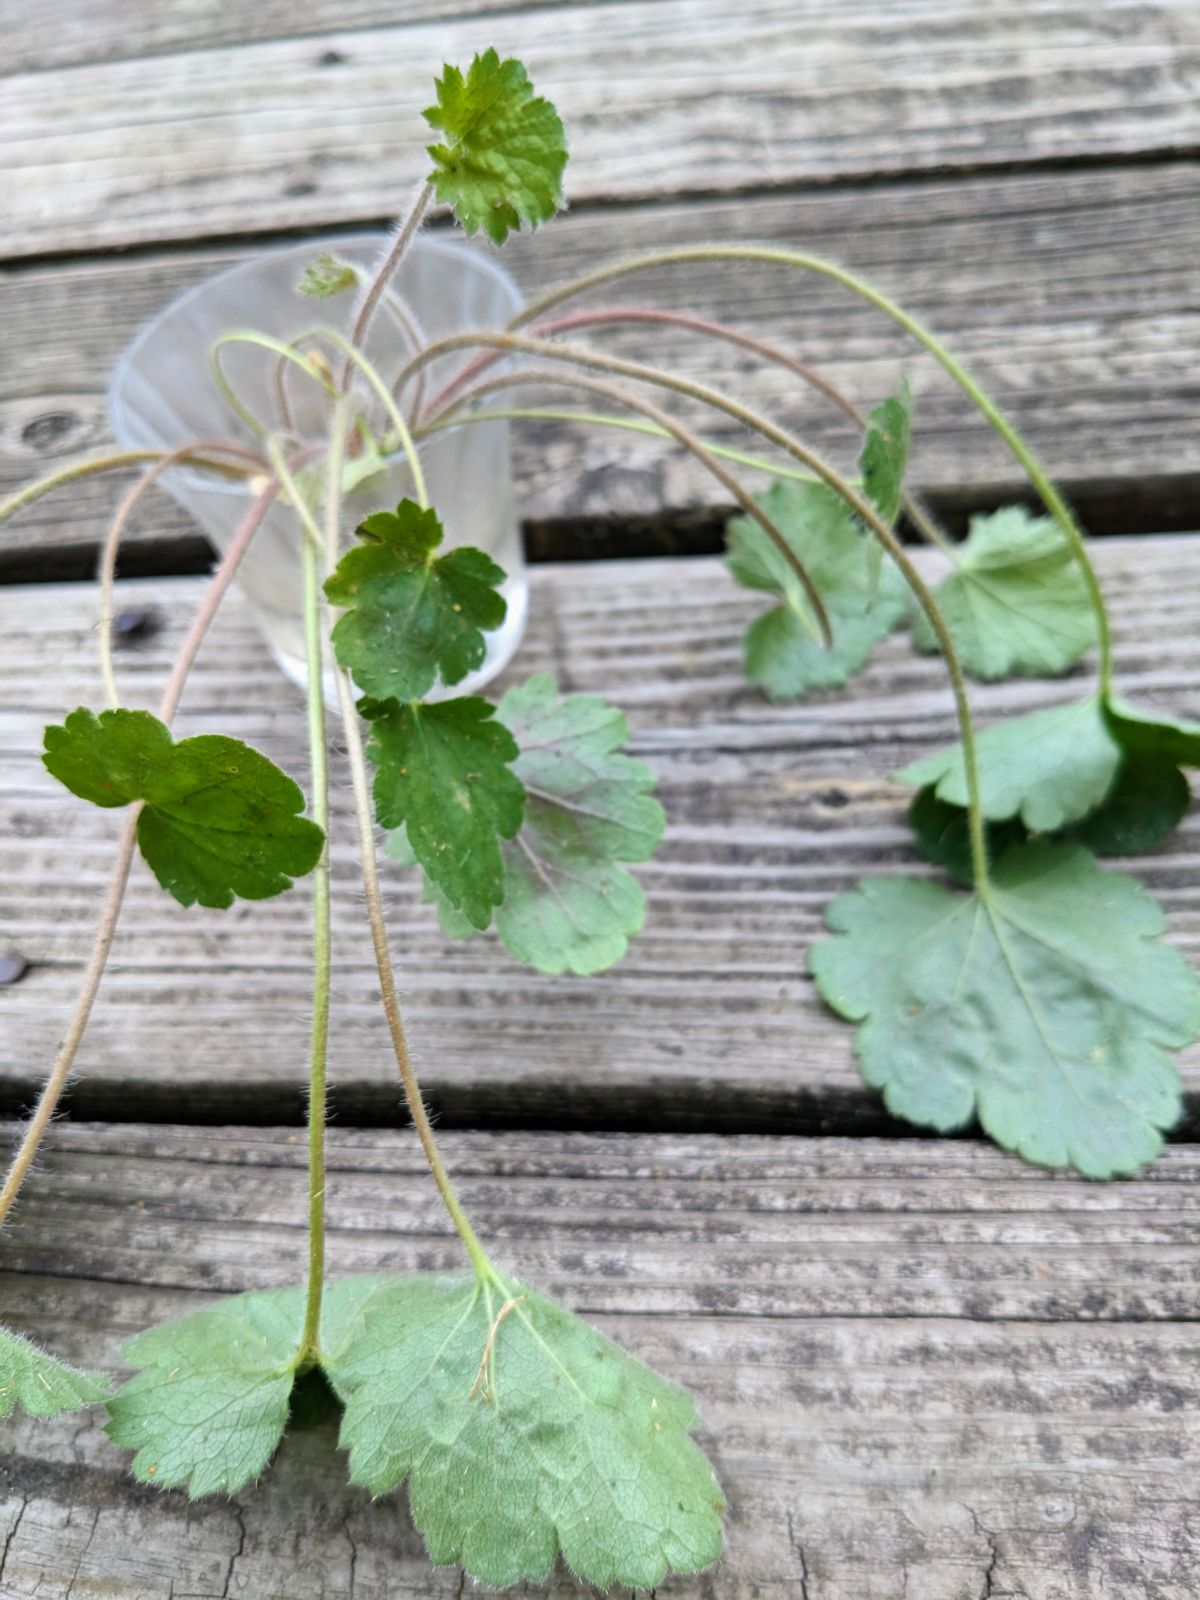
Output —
(1032, 993)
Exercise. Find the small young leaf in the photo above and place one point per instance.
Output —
(782, 651)
(443, 771)
(219, 819)
(40, 1385)
(1046, 1009)
(210, 1402)
(523, 1432)
(884, 457)
(568, 903)
(1017, 601)
(505, 149)
(327, 276)
(412, 615)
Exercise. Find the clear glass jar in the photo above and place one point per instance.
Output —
(163, 394)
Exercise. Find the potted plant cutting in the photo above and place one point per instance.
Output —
(1036, 997)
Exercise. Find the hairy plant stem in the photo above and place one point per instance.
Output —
(310, 556)
(684, 436)
(809, 458)
(102, 945)
(110, 461)
(108, 556)
(264, 341)
(396, 416)
(405, 233)
(1033, 468)
(370, 873)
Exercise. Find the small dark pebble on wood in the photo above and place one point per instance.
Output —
(12, 968)
(135, 622)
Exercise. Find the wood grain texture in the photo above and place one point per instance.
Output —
(710, 1021)
(1044, 285)
(661, 97)
(910, 1360)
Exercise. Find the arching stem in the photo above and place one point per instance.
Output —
(110, 461)
(1032, 467)
(56, 1082)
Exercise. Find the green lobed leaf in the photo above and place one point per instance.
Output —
(1046, 1009)
(219, 819)
(568, 904)
(783, 652)
(505, 149)
(327, 276)
(883, 460)
(41, 1385)
(209, 1403)
(444, 773)
(1017, 600)
(523, 1432)
(412, 616)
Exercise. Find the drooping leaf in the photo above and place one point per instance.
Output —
(505, 149)
(883, 460)
(1153, 738)
(1145, 804)
(1016, 601)
(209, 1403)
(523, 1432)
(783, 652)
(327, 276)
(1045, 1009)
(41, 1385)
(569, 905)
(444, 772)
(219, 819)
(412, 615)
(1049, 768)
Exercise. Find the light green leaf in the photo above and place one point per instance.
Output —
(783, 652)
(523, 1432)
(568, 903)
(40, 1385)
(1046, 1010)
(327, 276)
(412, 616)
(505, 149)
(209, 1403)
(1049, 768)
(1017, 600)
(444, 773)
(884, 457)
(219, 819)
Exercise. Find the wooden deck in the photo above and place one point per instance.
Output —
(925, 1371)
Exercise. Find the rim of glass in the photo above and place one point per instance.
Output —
(460, 249)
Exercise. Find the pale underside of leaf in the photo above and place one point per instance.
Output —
(524, 1433)
(1047, 1010)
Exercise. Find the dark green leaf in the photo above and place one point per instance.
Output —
(942, 834)
(1046, 1009)
(219, 819)
(444, 773)
(523, 1432)
(1017, 600)
(40, 1385)
(1145, 804)
(327, 276)
(504, 152)
(884, 457)
(412, 615)
(782, 649)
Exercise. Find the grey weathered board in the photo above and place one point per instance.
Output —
(710, 1020)
(1043, 284)
(662, 97)
(923, 1371)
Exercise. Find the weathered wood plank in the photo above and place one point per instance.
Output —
(711, 1020)
(221, 141)
(831, 1304)
(1043, 284)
